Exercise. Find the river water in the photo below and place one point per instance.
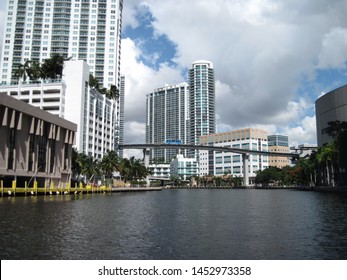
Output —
(176, 224)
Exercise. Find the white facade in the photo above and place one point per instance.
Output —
(184, 168)
(87, 30)
(47, 95)
(121, 113)
(159, 170)
(73, 99)
(167, 114)
(220, 163)
(96, 115)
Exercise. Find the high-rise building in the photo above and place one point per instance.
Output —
(121, 113)
(278, 143)
(88, 30)
(167, 120)
(202, 113)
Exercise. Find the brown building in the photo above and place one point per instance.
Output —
(278, 144)
(35, 145)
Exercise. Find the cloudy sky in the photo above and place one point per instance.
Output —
(272, 58)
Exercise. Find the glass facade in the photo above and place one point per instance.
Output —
(167, 119)
(201, 102)
(278, 140)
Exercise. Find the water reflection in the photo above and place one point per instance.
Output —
(175, 224)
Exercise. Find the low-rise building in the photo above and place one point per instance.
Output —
(159, 170)
(216, 163)
(304, 150)
(184, 168)
(73, 99)
(35, 145)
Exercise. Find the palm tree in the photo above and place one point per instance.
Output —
(75, 166)
(93, 82)
(217, 181)
(137, 169)
(109, 164)
(23, 71)
(176, 180)
(52, 68)
(113, 93)
(35, 71)
(329, 155)
(89, 167)
(123, 169)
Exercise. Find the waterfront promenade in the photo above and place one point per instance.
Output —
(14, 191)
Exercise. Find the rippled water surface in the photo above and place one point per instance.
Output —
(176, 224)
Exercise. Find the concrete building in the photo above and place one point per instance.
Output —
(96, 116)
(220, 163)
(48, 95)
(121, 113)
(87, 30)
(167, 119)
(202, 112)
(280, 144)
(159, 170)
(330, 107)
(35, 146)
(184, 168)
(304, 150)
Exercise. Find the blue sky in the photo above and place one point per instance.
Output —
(156, 49)
(272, 58)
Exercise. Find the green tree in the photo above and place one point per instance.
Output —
(110, 163)
(23, 72)
(132, 169)
(89, 167)
(35, 71)
(112, 93)
(52, 68)
(93, 82)
(75, 166)
(268, 175)
(176, 180)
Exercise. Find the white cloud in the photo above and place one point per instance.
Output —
(303, 133)
(260, 49)
(334, 46)
(139, 81)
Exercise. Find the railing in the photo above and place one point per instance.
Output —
(50, 190)
(46, 81)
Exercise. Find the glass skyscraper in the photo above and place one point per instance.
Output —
(202, 113)
(167, 119)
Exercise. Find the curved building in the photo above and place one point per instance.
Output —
(329, 108)
(202, 112)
